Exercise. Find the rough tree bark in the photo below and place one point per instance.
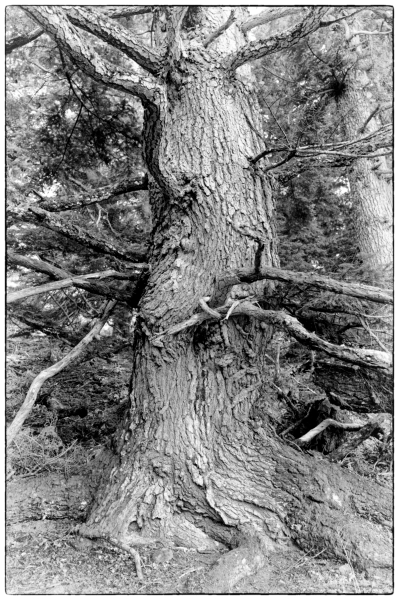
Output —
(363, 390)
(190, 465)
(371, 192)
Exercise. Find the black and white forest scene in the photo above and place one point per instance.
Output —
(199, 307)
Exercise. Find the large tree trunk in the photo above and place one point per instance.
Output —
(192, 464)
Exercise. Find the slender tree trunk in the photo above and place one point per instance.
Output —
(371, 193)
(192, 464)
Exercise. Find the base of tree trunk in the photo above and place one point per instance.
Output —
(324, 509)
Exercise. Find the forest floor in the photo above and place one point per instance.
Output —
(80, 408)
(43, 557)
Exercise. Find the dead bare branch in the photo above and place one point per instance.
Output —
(64, 283)
(37, 383)
(94, 287)
(366, 430)
(356, 290)
(103, 194)
(21, 40)
(36, 215)
(213, 36)
(363, 357)
(267, 16)
(280, 41)
(323, 425)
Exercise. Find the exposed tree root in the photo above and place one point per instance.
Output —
(118, 544)
(333, 423)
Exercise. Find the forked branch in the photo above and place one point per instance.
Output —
(280, 41)
(55, 22)
(94, 287)
(94, 22)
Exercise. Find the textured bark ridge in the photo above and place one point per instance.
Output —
(372, 193)
(191, 466)
(363, 390)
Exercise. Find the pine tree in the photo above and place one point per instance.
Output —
(191, 463)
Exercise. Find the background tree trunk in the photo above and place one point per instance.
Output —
(371, 193)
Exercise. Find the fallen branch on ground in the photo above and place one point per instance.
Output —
(350, 445)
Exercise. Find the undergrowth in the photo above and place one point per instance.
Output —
(31, 454)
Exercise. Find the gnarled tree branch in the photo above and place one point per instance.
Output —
(94, 287)
(64, 283)
(119, 37)
(359, 356)
(55, 22)
(112, 13)
(356, 290)
(280, 41)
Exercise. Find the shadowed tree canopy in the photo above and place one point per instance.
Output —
(171, 158)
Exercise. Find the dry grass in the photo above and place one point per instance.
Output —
(31, 454)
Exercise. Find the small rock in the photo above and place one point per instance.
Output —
(162, 556)
(82, 544)
(345, 570)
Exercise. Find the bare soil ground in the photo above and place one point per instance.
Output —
(45, 557)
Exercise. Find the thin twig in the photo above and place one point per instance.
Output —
(372, 334)
(213, 36)
(69, 139)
